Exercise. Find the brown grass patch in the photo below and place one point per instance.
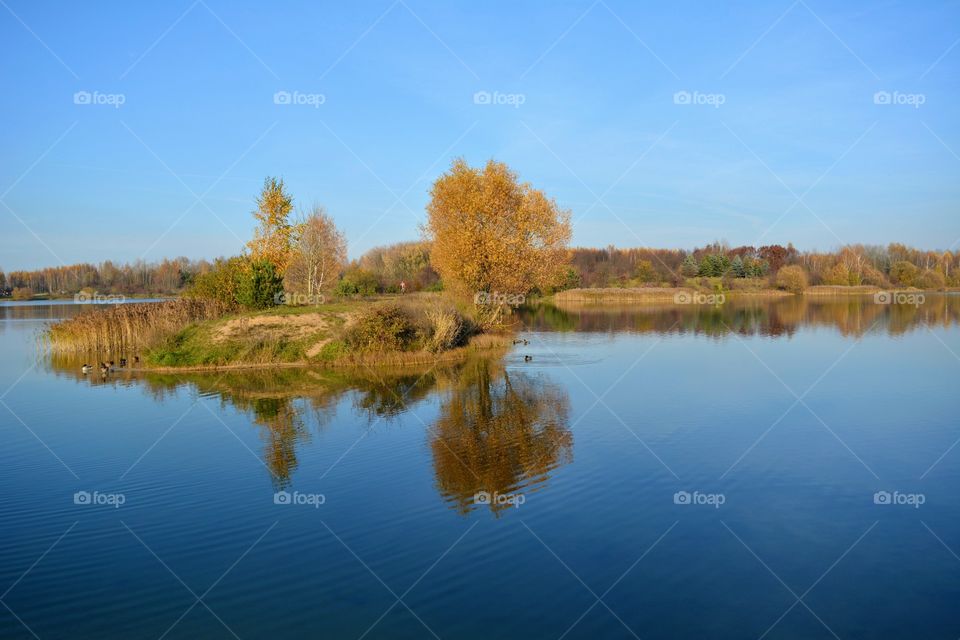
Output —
(271, 327)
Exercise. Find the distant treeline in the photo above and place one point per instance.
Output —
(137, 278)
(383, 268)
(852, 265)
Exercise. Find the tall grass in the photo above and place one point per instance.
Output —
(123, 330)
(398, 327)
(447, 328)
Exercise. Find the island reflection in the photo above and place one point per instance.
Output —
(496, 431)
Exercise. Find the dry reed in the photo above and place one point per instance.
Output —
(123, 330)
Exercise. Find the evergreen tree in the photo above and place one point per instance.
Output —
(714, 265)
(738, 268)
(261, 287)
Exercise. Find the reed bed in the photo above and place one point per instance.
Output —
(123, 330)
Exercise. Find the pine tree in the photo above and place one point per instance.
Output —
(690, 268)
(738, 268)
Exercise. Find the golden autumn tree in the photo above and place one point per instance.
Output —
(273, 235)
(493, 234)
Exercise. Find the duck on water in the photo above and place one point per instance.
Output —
(107, 367)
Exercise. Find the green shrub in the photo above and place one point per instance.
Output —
(333, 350)
(220, 283)
(253, 284)
(357, 282)
(385, 327)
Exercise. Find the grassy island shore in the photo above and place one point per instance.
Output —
(195, 335)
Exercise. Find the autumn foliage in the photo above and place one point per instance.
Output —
(492, 233)
(274, 234)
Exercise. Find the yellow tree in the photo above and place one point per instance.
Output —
(273, 235)
(493, 234)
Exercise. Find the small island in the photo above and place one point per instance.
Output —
(492, 243)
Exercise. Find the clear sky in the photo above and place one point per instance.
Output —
(134, 129)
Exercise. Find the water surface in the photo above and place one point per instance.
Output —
(654, 471)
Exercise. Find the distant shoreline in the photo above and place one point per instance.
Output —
(676, 295)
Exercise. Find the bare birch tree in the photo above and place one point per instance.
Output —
(319, 254)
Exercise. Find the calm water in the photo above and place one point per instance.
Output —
(673, 472)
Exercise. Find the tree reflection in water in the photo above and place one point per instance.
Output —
(498, 432)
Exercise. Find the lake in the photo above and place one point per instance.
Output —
(780, 468)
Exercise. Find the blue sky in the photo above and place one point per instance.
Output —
(657, 124)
